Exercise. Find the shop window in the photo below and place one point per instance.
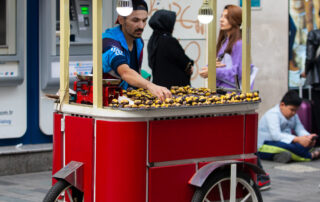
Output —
(2, 22)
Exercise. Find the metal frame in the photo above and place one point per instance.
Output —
(201, 175)
(64, 52)
(97, 43)
(246, 44)
(49, 47)
(72, 173)
(212, 47)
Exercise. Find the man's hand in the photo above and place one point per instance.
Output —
(313, 138)
(135, 79)
(305, 141)
(161, 92)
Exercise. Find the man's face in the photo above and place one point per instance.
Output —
(134, 24)
(288, 111)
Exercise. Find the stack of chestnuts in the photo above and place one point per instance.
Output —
(181, 96)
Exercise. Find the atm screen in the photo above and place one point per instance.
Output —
(84, 9)
(3, 22)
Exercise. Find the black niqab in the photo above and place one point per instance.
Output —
(162, 22)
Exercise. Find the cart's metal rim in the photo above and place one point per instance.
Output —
(143, 114)
(180, 107)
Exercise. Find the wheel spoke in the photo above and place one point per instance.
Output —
(69, 195)
(234, 182)
(246, 197)
(221, 193)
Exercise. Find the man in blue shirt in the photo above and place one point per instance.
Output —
(123, 51)
(276, 140)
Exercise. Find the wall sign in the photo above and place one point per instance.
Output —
(255, 4)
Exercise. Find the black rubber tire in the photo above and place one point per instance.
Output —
(59, 187)
(200, 193)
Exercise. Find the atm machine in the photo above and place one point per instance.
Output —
(13, 88)
(80, 48)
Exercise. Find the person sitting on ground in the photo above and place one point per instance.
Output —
(275, 138)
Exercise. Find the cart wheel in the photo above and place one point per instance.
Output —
(63, 191)
(217, 188)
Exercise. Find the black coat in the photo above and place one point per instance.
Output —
(167, 59)
(312, 66)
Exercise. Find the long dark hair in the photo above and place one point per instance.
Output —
(235, 19)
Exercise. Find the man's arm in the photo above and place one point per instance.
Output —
(135, 79)
(304, 138)
(299, 128)
(114, 60)
(273, 123)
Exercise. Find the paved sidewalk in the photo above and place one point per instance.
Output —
(31, 187)
(293, 182)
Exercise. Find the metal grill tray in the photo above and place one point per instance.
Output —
(184, 107)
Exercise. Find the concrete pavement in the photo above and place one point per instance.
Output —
(31, 187)
(293, 182)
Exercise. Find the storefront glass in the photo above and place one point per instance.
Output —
(304, 16)
(2, 22)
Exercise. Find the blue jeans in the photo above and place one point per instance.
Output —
(295, 148)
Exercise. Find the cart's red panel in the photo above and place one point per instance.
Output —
(170, 183)
(121, 150)
(250, 141)
(196, 138)
(57, 145)
(79, 141)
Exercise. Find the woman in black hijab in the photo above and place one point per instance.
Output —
(169, 64)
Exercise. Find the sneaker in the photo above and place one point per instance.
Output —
(282, 157)
(264, 182)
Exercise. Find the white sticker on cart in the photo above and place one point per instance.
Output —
(82, 68)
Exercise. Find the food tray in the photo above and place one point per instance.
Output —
(184, 107)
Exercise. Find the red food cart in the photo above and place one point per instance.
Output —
(179, 154)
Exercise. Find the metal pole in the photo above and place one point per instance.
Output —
(97, 53)
(212, 47)
(233, 182)
(246, 44)
(64, 51)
